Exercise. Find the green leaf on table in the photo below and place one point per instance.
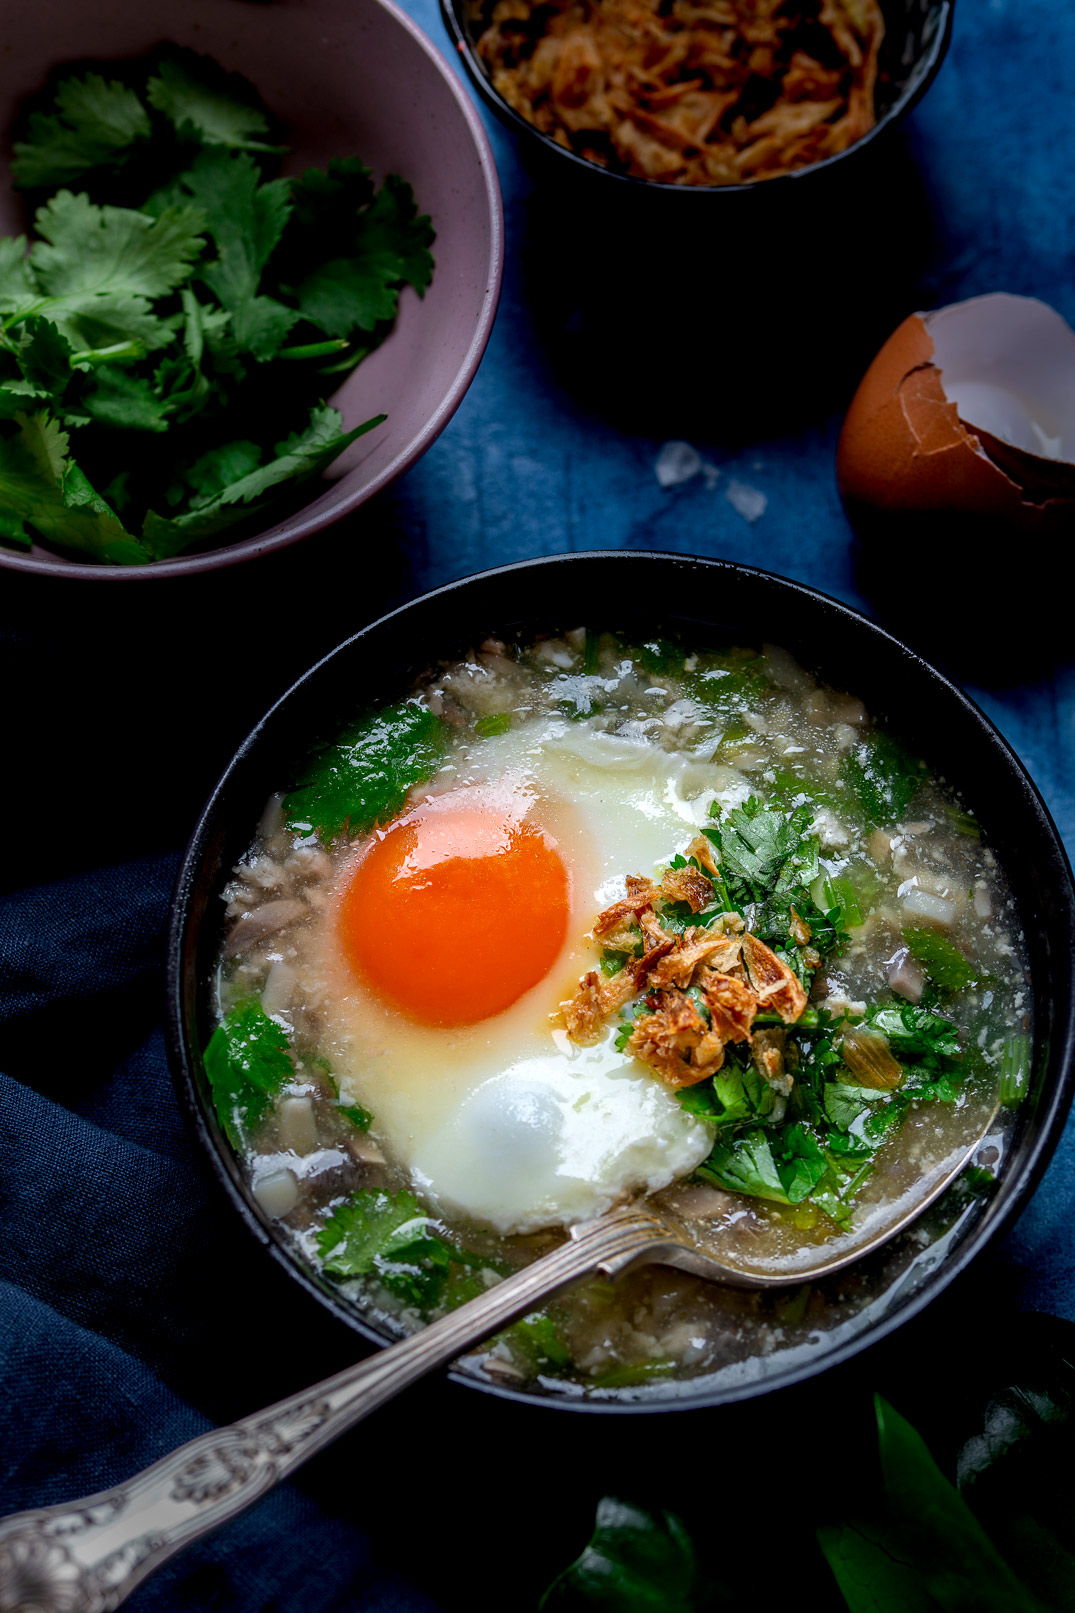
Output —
(1016, 1468)
(298, 457)
(363, 778)
(883, 777)
(248, 1060)
(637, 1561)
(41, 484)
(207, 103)
(96, 121)
(927, 1550)
(389, 247)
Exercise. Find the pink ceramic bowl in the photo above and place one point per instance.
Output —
(346, 77)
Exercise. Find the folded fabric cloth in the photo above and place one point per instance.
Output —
(134, 1310)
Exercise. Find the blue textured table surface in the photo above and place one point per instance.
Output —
(132, 1309)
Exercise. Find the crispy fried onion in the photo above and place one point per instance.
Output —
(687, 92)
(736, 974)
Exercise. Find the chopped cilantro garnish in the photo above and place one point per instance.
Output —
(363, 778)
(247, 1060)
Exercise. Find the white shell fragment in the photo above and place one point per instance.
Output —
(1008, 365)
(749, 502)
(677, 462)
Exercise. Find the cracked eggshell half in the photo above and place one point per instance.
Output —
(969, 410)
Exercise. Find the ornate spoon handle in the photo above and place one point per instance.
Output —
(86, 1556)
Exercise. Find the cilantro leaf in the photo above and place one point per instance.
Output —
(536, 1344)
(391, 1237)
(745, 1166)
(768, 851)
(946, 965)
(363, 778)
(125, 401)
(916, 1031)
(18, 289)
(247, 1060)
(298, 457)
(883, 777)
(245, 219)
(95, 269)
(88, 250)
(96, 121)
(39, 483)
(207, 103)
(389, 248)
(326, 200)
(360, 1118)
(44, 355)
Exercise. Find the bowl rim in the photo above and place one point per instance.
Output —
(1016, 1184)
(931, 60)
(302, 523)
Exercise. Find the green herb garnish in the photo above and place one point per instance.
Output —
(248, 1060)
(391, 1237)
(363, 778)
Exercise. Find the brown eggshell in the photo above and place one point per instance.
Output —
(904, 449)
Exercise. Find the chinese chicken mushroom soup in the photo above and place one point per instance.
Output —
(577, 920)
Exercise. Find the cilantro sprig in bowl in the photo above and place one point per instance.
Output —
(239, 291)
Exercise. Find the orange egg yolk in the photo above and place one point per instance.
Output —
(456, 910)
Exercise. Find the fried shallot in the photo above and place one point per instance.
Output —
(688, 92)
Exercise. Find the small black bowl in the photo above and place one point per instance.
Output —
(917, 33)
(717, 602)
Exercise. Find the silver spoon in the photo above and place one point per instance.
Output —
(87, 1556)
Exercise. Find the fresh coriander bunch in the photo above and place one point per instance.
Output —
(168, 339)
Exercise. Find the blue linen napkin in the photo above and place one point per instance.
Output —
(130, 1304)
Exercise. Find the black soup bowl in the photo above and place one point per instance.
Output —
(710, 602)
(917, 35)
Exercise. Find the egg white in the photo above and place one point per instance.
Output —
(507, 1122)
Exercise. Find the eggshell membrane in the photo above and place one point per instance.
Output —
(904, 449)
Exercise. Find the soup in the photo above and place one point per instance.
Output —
(580, 920)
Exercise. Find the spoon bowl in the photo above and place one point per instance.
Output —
(92, 1553)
